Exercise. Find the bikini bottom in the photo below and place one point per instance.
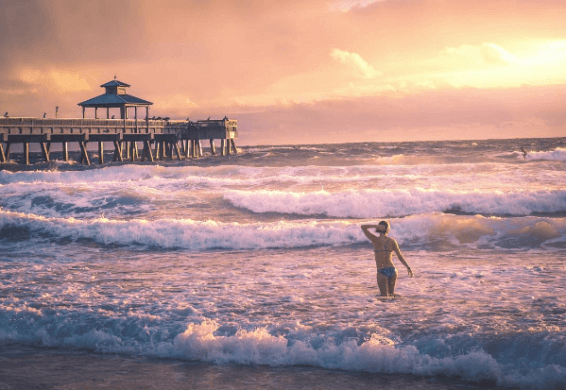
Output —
(388, 272)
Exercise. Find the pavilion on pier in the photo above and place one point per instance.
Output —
(116, 97)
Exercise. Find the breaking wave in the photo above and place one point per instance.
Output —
(429, 231)
(398, 203)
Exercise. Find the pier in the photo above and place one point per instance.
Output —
(131, 139)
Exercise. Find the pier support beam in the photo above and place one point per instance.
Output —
(146, 139)
(116, 138)
(200, 154)
(118, 151)
(2, 155)
(65, 138)
(42, 139)
(65, 148)
(45, 146)
(169, 145)
(212, 148)
(146, 153)
(101, 152)
(26, 153)
(84, 153)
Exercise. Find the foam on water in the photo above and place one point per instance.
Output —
(559, 154)
(397, 203)
(259, 259)
(130, 308)
(444, 230)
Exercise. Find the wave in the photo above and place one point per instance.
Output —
(398, 203)
(365, 350)
(559, 154)
(433, 231)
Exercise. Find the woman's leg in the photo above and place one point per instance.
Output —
(391, 284)
(382, 282)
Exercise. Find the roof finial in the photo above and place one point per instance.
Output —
(114, 77)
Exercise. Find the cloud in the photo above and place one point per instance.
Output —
(457, 113)
(356, 61)
(346, 5)
(60, 80)
(484, 54)
(176, 102)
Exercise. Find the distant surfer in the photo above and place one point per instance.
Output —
(383, 247)
(524, 152)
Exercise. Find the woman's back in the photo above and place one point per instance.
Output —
(383, 249)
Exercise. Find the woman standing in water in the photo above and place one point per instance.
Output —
(383, 248)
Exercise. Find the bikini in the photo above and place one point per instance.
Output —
(388, 272)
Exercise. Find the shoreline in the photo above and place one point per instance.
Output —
(34, 368)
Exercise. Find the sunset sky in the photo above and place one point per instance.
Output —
(307, 71)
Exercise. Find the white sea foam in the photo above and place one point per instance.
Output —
(396, 203)
(204, 342)
(559, 154)
(378, 354)
(207, 235)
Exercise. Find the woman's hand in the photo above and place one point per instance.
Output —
(410, 272)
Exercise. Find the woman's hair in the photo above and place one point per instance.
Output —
(386, 224)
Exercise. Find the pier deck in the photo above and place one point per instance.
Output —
(125, 134)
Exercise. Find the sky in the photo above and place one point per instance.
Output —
(296, 72)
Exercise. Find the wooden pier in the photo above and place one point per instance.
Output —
(159, 139)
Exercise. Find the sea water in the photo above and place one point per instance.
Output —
(258, 259)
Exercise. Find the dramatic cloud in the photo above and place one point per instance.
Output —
(486, 53)
(356, 61)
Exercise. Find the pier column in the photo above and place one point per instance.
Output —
(222, 147)
(8, 151)
(212, 148)
(176, 147)
(118, 151)
(146, 153)
(65, 151)
(136, 117)
(26, 152)
(107, 112)
(147, 118)
(234, 146)
(95, 112)
(45, 146)
(84, 153)
(101, 152)
(2, 155)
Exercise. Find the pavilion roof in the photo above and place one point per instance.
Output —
(114, 100)
(115, 83)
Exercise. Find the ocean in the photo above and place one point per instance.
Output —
(254, 266)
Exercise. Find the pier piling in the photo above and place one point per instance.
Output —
(2, 155)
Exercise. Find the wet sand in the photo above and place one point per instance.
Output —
(31, 369)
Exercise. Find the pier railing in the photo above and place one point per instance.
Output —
(79, 126)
